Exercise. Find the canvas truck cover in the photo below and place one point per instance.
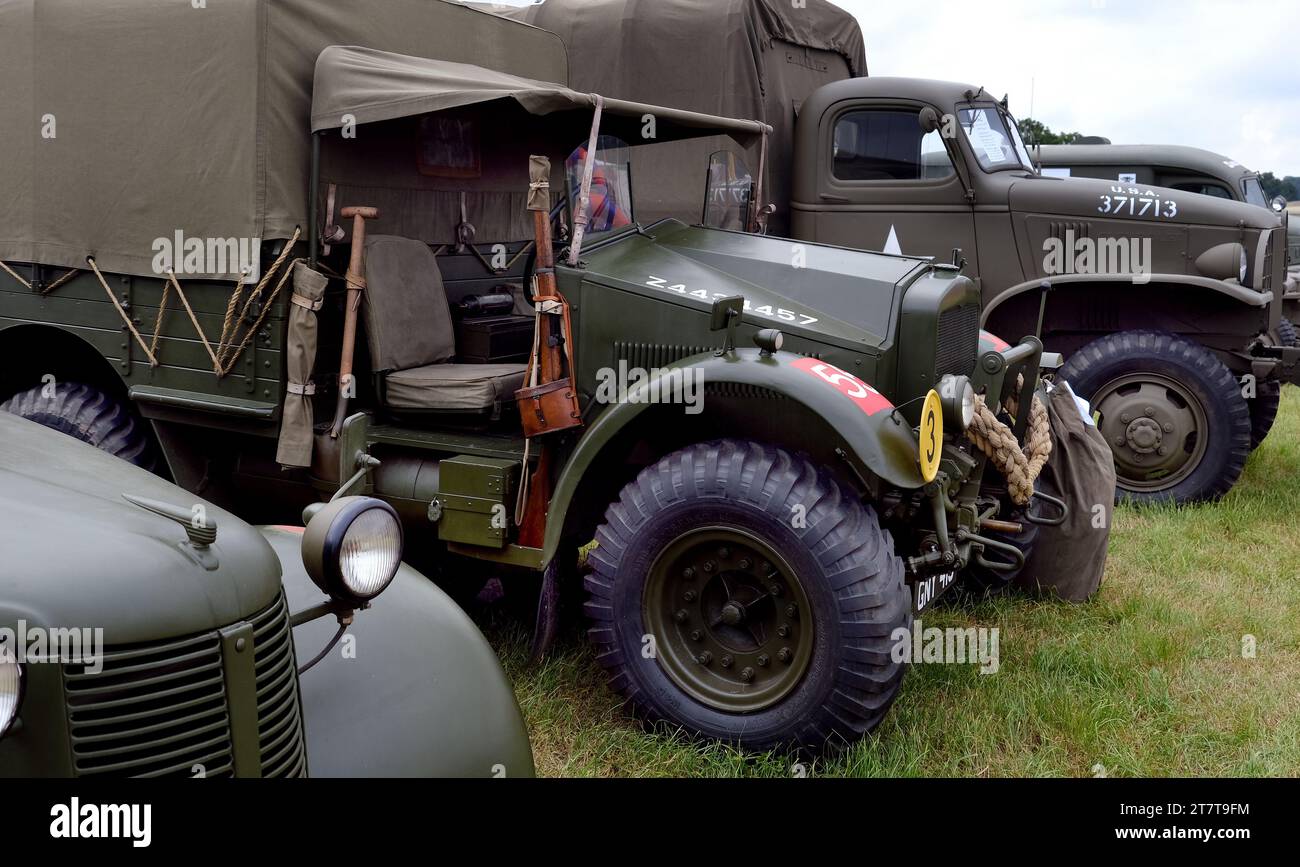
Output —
(371, 86)
(739, 58)
(130, 120)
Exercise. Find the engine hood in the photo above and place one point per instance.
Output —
(1091, 199)
(77, 555)
(819, 292)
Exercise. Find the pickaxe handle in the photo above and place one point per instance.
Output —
(356, 280)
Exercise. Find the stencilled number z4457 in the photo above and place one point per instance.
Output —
(1136, 202)
(778, 313)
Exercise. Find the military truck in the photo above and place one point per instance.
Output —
(766, 440)
(147, 632)
(1183, 363)
(1182, 168)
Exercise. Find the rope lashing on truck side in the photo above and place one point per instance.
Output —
(1020, 466)
(47, 288)
(228, 349)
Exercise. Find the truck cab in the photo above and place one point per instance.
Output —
(1140, 276)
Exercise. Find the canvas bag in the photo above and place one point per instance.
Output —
(295, 445)
(1068, 561)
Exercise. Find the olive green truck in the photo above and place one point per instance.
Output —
(453, 307)
(1166, 304)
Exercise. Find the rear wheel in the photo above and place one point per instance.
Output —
(1173, 414)
(90, 415)
(741, 594)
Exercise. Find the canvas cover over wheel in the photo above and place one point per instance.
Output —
(1068, 561)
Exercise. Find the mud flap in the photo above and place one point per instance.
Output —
(548, 613)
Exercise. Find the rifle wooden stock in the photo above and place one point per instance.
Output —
(548, 402)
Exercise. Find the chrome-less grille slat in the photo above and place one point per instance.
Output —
(161, 709)
(958, 340)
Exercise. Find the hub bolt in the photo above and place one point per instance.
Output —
(727, 661)
(1162, 451)
(747, 674)
(774, 589)
(688, 573)
(681, 615)
(1119, 441)
(791, 610)
(785, 655)
(745, 564)
(783, 630)
(689, 595)
(762, 660)
(1169, 428)
(1149, 410)
(1126, 418)
(705, 658)
(696, 635)
(709, 566)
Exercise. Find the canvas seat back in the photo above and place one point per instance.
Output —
(407, 317)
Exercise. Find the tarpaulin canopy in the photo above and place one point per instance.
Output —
(129, 121)
(737, 58)
(366, 85)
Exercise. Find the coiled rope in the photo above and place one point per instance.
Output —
(1020, 466)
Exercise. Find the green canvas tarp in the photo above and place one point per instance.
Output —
(128, 121)
(737, 58)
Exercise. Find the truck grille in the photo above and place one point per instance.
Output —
(959, 340)
(160, 708)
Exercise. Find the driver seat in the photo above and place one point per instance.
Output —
(412, 341)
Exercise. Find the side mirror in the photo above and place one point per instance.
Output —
(929, 119)
(725, 310)
(1278, 204)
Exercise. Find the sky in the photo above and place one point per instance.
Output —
(1219, 75)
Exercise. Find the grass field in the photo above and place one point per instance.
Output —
(1148, 679)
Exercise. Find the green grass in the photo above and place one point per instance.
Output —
(1148, 679)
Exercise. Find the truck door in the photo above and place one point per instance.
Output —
(885, 183)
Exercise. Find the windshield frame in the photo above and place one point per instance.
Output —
(1018, 148)
(1259, 185)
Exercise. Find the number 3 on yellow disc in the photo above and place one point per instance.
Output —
(931, 436)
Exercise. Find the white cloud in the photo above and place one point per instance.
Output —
(1215, 75)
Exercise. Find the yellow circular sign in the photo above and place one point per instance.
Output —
(931, 444)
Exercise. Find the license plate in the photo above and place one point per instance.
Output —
(926, 590)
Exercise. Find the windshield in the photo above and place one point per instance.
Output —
(1254, 192)
(610, 202)
(994, 138)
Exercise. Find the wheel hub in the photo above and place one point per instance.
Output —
(727, 615)
(1156, 429)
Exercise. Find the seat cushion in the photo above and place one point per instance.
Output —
(453, 387)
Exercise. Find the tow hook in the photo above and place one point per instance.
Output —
(1015, 553)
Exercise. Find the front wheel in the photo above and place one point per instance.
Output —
(743, 595)
(1172, 412)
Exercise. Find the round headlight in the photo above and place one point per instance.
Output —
(958, 399)
(352, 548)
(12, 682)
(1223, 262)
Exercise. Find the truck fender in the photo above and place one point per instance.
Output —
(1066, 282)
(881, 442)
(422, 694)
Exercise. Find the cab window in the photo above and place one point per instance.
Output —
(1216, 190)
(887, 145)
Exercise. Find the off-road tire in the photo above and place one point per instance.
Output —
(1286, 333)
(88, 414)
(981, 579)
(844, 562)
(1200, 372)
